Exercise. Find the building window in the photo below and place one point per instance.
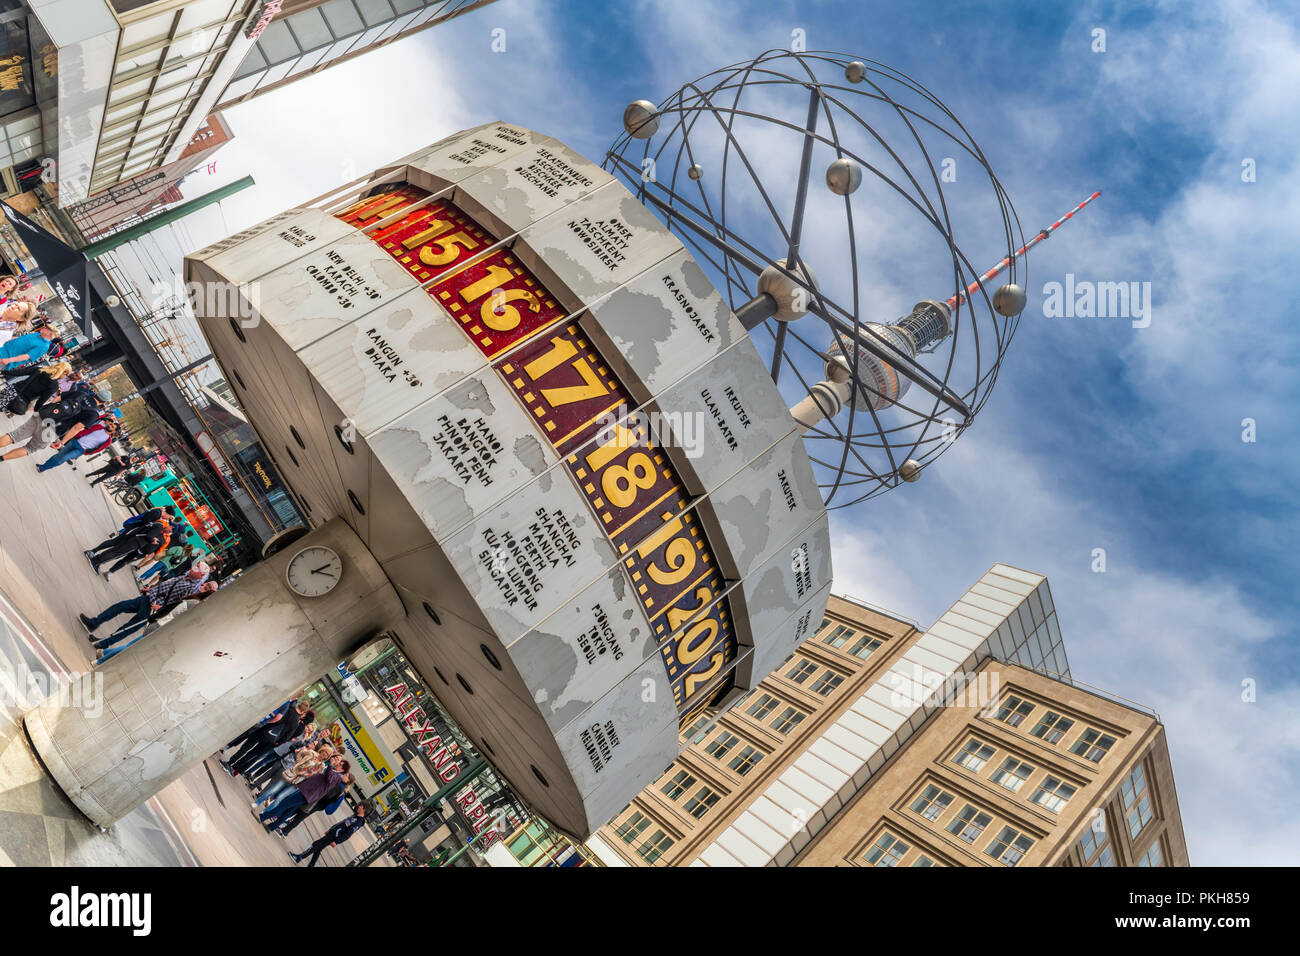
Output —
(1152, 856)
(1014, 711)
(1105, 859)
(1137, 801)
(720, 745)
(974, 755)
(1012, 774)
(932, 802)
(838, 637)
(827, 683)
(801, 671)
(969, 824)
(1092, 745)
(787, 720)
(655, 847)
(700, 804)
(1053, 794)
(632, 827)
(864, 646)
(746, 760)
(695, 733)
(679, 784)
(1093, 844)
(1010, 846)
(888, 850)
(763, 706)
(924, 860)
(1051, 727)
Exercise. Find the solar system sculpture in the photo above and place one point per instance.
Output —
(583, 489)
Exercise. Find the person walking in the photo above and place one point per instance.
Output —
(333, 836)
(80, 441)
(151, 600)
(310, 790)
(139, 544)
(168, 613)
(116, 465)
(130, 526)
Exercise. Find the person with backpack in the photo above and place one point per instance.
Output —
(327, 804)
(80, 440)
(75, 414)
(137, 532)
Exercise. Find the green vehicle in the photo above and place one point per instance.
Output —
(203, 526)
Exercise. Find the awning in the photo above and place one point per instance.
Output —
(65, 268)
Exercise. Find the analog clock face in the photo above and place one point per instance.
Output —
(314, 571)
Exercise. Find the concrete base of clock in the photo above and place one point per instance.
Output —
(116, 736)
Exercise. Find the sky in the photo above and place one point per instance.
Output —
(1098, 434)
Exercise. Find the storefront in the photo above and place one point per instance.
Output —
(424, 751)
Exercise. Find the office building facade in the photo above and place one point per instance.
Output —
(1049, 775)
(305, 37)
(771, 782)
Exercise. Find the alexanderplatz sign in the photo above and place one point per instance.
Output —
(463, 365)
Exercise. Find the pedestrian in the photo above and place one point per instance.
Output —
(136, 522)
(300, 765)
(267, 737)
(269, 769)
(79, 441)
(30, 390)
(140, 542)
(115, 466)
(25, 349)
(327, 804)
(333, 836)
(308, 791)
(163, 616)
(169, 610)
(151, 600)
(272, 717)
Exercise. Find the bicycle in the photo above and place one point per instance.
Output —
(123, 492)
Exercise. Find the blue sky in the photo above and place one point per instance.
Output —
(1098, 434)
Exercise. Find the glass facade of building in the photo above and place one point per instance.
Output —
(312, 39)
(167, 53)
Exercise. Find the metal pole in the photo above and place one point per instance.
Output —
(465, 849)
(430, 806)
(96, 249)
(163, 381)
(1002, 266)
